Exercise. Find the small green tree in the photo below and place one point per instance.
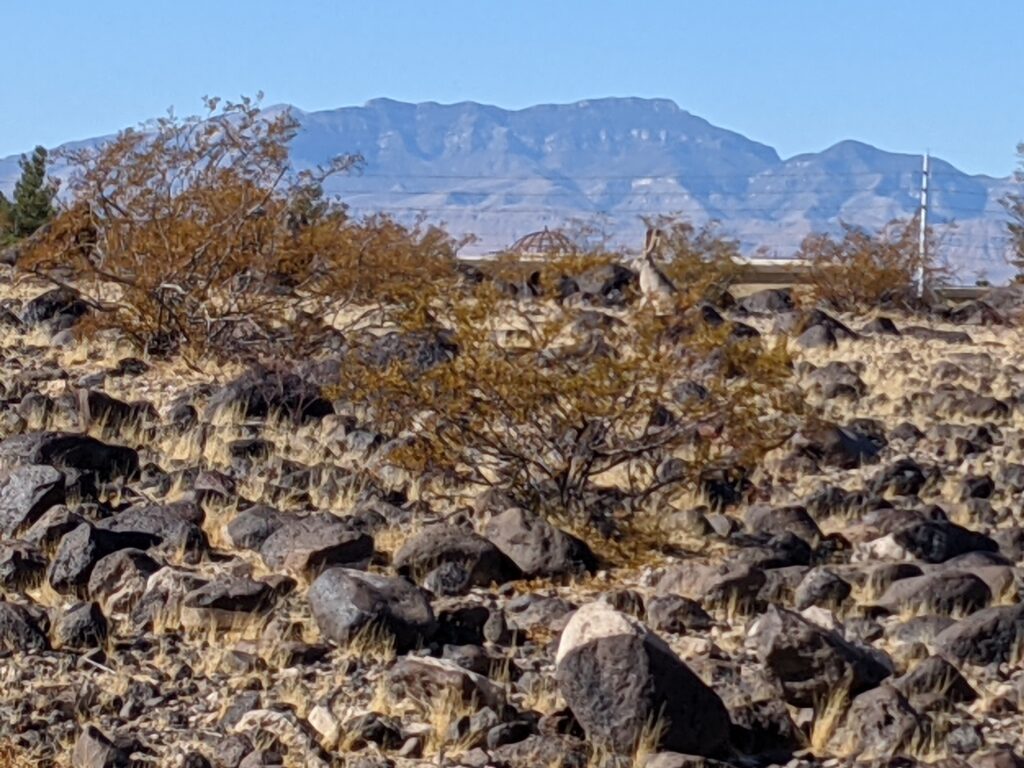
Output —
(6, 220)
(34, 195)
(1014, 204)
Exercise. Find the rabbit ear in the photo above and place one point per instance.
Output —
(651, 241)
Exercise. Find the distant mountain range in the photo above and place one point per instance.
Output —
(500, 174)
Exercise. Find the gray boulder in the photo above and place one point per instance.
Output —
(346, 601)
(937, 593)
(308, 545)
(451, 560)
(880, 723)
(101, 461)
(991, 635)
(25, 494)
(810, 661)
(82, 548)
(19, 630)
(118, 580)
(537, 547)
(618, 678)
(936, 541)
(80, 627)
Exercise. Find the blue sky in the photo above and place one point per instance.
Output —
(904, 75)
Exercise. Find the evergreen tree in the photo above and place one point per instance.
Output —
(33, 195)
(6, 219)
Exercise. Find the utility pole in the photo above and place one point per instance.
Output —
(922, 243)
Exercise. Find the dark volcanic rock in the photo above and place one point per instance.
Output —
(253, 526)
(19, 631)
(810, 661)
(460, 557)
(937, 593)
(174, 525)
(25, 494)
(617, 676)
(536, 546)
(310, 544)
(82, 548)
(935, 541)
(62, 450)
(345, 602)
(262, 392)
(118, 580)
(986, 636)
(80, 627)
(61, 305)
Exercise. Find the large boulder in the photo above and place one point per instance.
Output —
(253, 526)
(118, 580)
(61, 306)
(80, 550)
(943, 593)
(262, 392)
(25, 494)
(307, 545)
(427, 679)
(810, 661)
(619, 679)
(345, 602)
(226, 602)
(87, 455)
(991, 635)
(536, 546)
(880, 723)
(936, 541)
(451, 560)
(19, 630)
(175, 525)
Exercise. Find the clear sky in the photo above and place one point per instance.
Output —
(905, 75)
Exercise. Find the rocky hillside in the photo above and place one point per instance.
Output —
(218, 567)
(500, 174)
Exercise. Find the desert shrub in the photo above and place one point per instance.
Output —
(197, 235)
(537, 401)
(862, 269)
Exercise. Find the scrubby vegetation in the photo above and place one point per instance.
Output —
(864, 269)
(286, 486)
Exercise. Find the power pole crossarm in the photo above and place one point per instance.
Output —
(922, 243)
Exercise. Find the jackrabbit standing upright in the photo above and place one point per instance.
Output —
(655, 285)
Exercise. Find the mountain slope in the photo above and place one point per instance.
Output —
(501, 173)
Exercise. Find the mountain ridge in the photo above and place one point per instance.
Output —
(501, 173)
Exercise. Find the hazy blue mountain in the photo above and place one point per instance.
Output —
(503, 173)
